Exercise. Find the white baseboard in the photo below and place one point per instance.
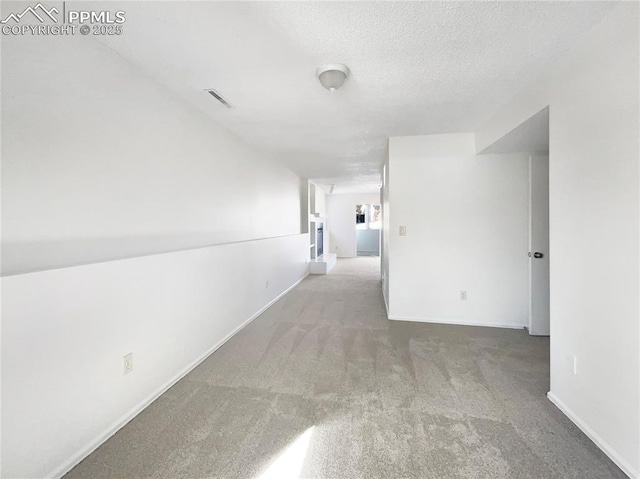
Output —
(120, 423)
(591, 434)
(453, 321)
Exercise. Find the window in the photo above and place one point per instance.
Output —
(368, 217)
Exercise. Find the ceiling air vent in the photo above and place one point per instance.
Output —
(218, 97)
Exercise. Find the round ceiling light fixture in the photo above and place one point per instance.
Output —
(333, 75)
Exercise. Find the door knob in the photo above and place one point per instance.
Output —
(538, 255)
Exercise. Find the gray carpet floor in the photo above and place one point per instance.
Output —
(322, 385)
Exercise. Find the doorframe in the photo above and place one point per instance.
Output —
(535, 331)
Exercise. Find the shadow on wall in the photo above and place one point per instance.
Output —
(368, 242)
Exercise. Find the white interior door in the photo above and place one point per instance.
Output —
(539, 245)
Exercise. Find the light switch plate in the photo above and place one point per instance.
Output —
(127, 363)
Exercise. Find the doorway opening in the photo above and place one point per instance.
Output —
(368, 223)
(531, 137)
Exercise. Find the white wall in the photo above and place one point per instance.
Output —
(466, 219)
(319, 201)
(368, 242)
(341, 220)
(592, 93)
(99, 163)
(384, 233)
(65, 332)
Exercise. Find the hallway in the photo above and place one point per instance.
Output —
(358, 396)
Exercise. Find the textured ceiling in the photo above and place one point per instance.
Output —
(416, 68)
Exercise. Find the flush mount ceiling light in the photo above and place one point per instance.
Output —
(333, 75)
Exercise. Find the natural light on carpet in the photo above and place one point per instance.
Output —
(289, 464)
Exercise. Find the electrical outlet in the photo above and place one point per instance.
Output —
(463, 295)
(403, 231)
(266, 285)
(127, 363)
(575, 365)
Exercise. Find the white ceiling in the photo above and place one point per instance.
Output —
(416, 68)
(531, 136)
